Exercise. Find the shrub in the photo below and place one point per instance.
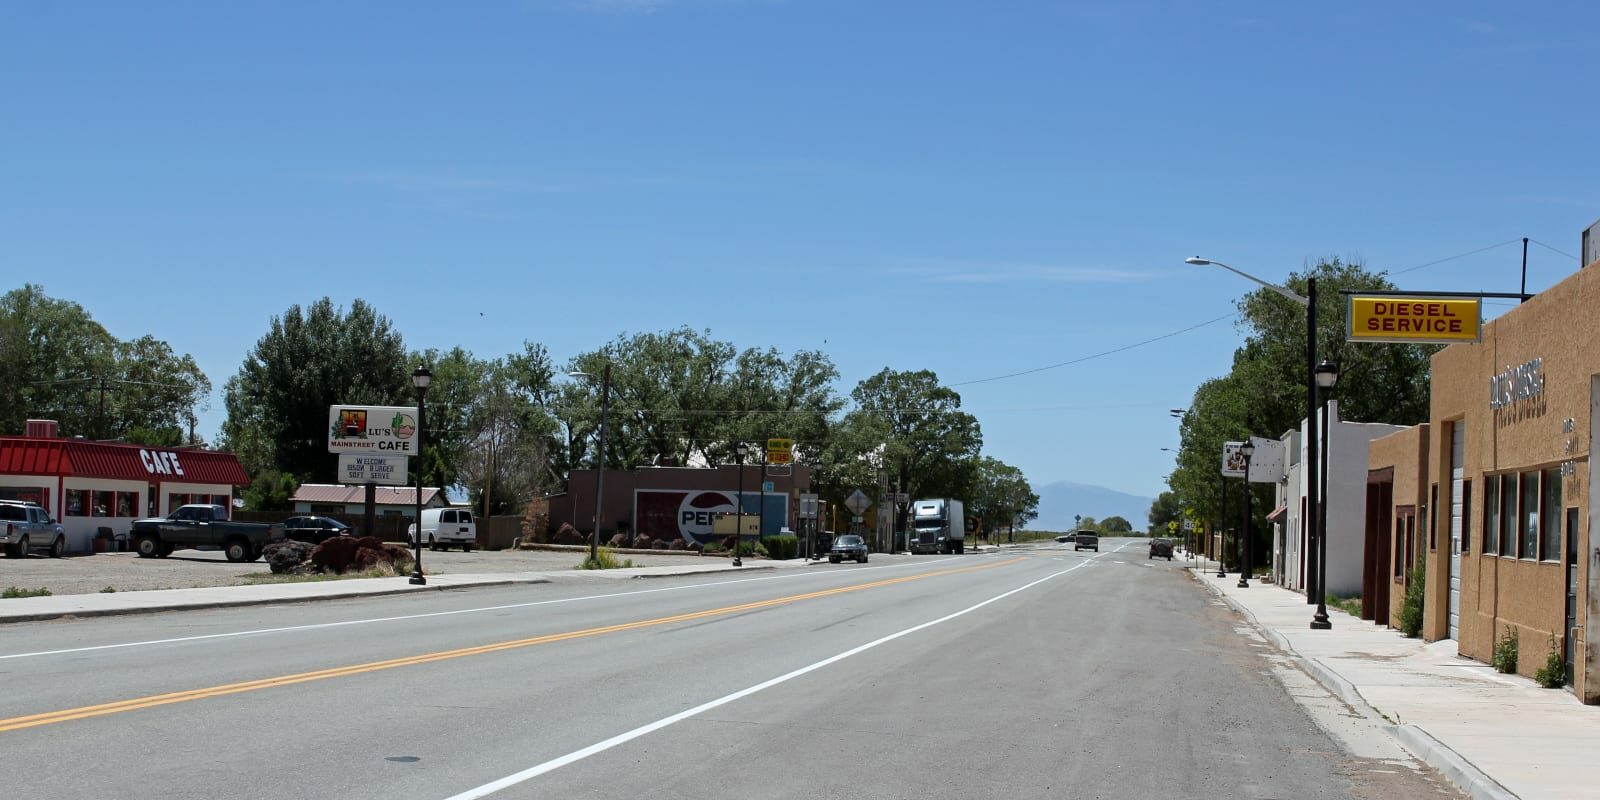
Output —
(1505, 652)
(1553, 675)
(109, 590)
(782, 547)
(13, 592)
(604, 559)
(1411, 605)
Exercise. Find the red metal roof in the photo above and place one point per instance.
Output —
(72, 458)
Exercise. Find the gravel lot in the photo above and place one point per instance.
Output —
(188, 569)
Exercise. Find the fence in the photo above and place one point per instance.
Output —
(497, 535)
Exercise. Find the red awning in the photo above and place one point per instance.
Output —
(70, 458)
(1276, 513)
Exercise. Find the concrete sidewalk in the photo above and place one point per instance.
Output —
(1494, 735)
(32, 609)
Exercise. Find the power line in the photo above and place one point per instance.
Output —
(1553, 250)
(1454, 257)
(1102, 354)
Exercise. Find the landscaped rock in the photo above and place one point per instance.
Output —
(341, 554)
(619, 540)
(568, 535)
(642, 543)
(661, 544)
(675, 544)
(283, 557)
(335, 554)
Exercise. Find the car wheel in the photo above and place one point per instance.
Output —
(863, 559)
(832, 560)
(58, 548)
(466, 548)
(146, 547)
(237, 550)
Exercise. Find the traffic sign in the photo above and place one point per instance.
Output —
(808, 506)
(858, 502)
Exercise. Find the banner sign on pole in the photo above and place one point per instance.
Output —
(1423, 319)
(379, 430)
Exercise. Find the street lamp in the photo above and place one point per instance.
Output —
(1309, 301)
(1327, 375)
(741, 450)
(600, 470)
(1247, 450)
(420, 378)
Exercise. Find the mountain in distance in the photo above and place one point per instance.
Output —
(1059, 501)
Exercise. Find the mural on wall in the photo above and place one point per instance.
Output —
(688, 514)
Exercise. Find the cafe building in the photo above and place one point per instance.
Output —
(1502, 513)
(89, 485)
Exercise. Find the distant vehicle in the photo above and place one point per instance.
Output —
(1086, 540)
(849, 546)
(315, 530)
(1160, 548)
(201, 525)
(1066, 537)
(444, 527)
(27, 526)
(937, 526)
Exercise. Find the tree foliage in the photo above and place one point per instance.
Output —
(1165, 509)
(929, 446)
(1001, 496)
(308, 360)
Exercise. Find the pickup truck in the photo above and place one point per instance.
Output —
(199, 525)
(26, 526)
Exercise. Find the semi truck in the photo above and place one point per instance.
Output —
(937, 526)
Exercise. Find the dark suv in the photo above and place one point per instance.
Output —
(851, 547)
(1086, 540)
(1160, 548)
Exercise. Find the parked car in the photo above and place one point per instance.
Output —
(1066, 537)
(27, 526)
(1086, 540)
(849, 546)
(1161, 548)
(444, 527)
(315, 530)
(201, 525)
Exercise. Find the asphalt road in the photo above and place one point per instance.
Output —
(1025, 674)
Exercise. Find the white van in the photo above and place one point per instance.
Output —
(443, 527)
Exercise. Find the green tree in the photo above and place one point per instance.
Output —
(1116, 525)
(308, 360)
(930, 445)
(1001, 496)
(1163, 510)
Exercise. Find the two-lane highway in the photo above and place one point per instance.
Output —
(1030, 673)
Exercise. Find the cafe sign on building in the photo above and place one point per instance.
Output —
(1421, 319)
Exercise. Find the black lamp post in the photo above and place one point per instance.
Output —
(1222, 532)
(420, 378)
(1327, 375)
(1247, 450)
(740, 451)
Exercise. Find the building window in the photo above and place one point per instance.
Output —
(127, 502)
(102, 503)
(77, 501)
(222, 500)
(174, 500)
(1508, 515)
(1466, 516)
(1550, 514)
(1528, 519)
(1491, 515)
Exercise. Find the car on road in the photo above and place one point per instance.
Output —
(27, 526)
(315, 530)
(1066, 537)
(1161, 548)
(848, 546)
(1086, 540)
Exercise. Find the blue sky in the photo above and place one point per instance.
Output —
(976, 188)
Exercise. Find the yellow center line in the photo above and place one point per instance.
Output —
(151, 701)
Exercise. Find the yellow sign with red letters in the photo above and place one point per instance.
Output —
(1421, 318)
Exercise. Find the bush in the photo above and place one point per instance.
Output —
(605, 559)
(1553, 675)
(13, 592)
(1411, 605)
(1505, 652)
(782, 547)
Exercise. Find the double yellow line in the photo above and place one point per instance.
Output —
(151, 701)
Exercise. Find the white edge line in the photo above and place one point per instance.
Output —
(622, 738)
(324, 625)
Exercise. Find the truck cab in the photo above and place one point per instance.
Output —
(937, 526)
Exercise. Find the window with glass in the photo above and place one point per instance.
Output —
(1433, 529)
(1491, 515)
(127, 504)
(1550, 516)
(176, 501)
(1528, 519)
(77, 501)
(1508, 515)
(1466, 516)
(101, 503)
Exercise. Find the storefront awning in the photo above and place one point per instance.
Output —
(1276, 513)
(70, 458)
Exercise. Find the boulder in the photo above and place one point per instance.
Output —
(661, 544)
(618, 540)
(283, 557)
(675, 544)
(643, 542)
(568, 535)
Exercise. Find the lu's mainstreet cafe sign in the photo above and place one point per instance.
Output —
(1421, 319)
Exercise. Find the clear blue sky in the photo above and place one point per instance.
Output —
(976, 188)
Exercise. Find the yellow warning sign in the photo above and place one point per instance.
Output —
(1431, 320)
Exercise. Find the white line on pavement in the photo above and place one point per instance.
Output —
(323, 625)
(621, 738)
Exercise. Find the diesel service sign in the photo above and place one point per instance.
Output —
(1423, 319)
(380, 430)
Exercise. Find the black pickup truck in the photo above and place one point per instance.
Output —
(199, 525)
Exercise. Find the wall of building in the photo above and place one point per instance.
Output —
(1405, 454)
(1347, 500)
(623, 488)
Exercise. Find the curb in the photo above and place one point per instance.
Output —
(1429, 750)
(699, 572)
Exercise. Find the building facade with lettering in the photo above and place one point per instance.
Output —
(682, 502)
(91, 485)
(1506, 500)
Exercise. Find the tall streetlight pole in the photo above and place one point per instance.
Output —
(600, 470)
(1327, 375)
(420, 378)
(1313, 504)
(740, 451)
(1247, 450)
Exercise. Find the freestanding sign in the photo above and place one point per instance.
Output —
(379, 430)
(385, 470)
(1266, 464)
(1423, 319)
(780, 451)
(1232, 460)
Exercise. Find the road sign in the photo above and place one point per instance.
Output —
(780, 451)
(768, 486)
(858, 503)
(357, 468)
(808, 507)
(902, 498)
(378, 430)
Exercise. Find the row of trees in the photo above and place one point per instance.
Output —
(57, 363)
(1264, 392)
(513, 426)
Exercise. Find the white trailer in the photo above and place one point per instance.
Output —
(937, 526)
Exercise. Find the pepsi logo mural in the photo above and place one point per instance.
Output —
(690, 514)
(697, 511)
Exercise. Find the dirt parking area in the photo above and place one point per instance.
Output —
(187, 569)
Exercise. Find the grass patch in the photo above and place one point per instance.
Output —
(1349, 605)
(605, 559)
(109, 590)
(12, 592)
(1505, 652)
